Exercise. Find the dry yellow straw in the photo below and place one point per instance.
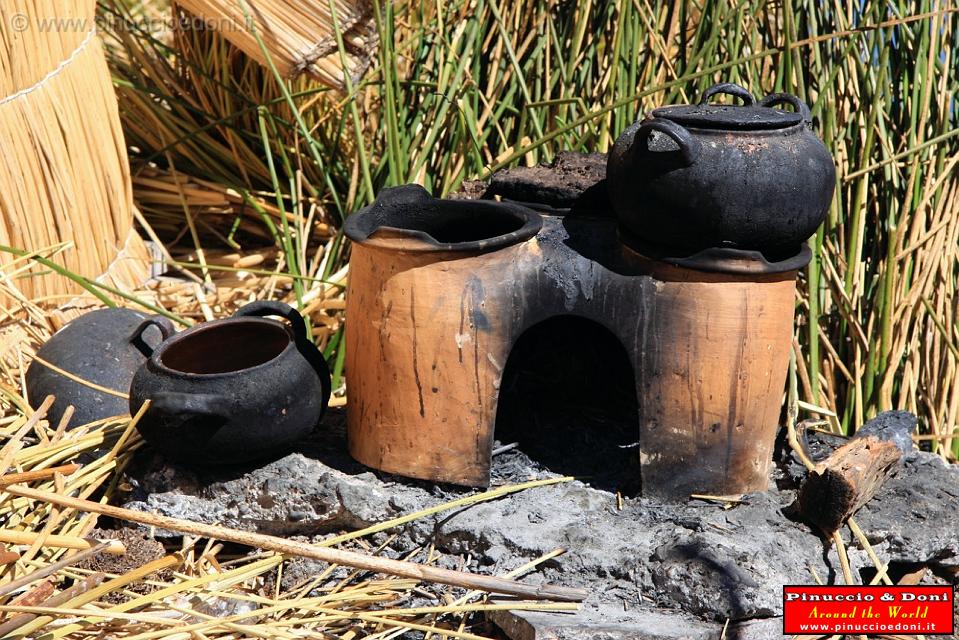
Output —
(12, 536)
(298, 34)
(325, 554)
(64, 175)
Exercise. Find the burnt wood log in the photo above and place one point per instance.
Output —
(893, 426)
(844, 482)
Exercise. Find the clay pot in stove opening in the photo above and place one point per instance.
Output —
(103, 347)
(233, 390)
(749, 176)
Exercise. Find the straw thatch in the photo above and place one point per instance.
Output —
(298, 36)
(64, 177)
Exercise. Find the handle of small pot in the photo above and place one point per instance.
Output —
(688, 146)
(801, 107)
(730, 89)
(200, 404)
(262, 308)
(303, 343)
(161, 323)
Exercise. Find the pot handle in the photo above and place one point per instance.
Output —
(688, 146)
(303, 343)
(262, 308)
(161, 323)
(201, 404)
(787, 98)
(731, 89)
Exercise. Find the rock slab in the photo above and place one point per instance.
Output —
(700, 562)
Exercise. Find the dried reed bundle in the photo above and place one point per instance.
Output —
(219, 211)
(299, 36)
(130, 266)
(64, 175)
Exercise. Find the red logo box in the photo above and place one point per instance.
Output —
(868, 610)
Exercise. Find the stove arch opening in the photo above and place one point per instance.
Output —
(568, 398)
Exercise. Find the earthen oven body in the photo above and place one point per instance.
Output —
(431, 325)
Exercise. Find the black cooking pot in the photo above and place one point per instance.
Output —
(233, 390)
(105, 348)
(751, 177)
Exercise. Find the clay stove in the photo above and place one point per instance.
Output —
(433, 317)
(694, 276)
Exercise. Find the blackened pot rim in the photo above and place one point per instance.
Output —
(719, 259)
(741, 132)
(156, 360)
(423, 242)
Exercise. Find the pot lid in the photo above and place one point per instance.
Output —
(714, 116)
(749, 116)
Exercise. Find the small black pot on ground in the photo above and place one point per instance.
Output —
(233, 390)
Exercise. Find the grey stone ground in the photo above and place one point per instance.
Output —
(679, 571)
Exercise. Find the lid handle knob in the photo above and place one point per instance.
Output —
(787, 98)
(729, 89)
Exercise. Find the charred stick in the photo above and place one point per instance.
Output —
(840, 485)
(64, 596)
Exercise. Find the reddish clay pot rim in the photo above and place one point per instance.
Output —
(156, 363)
